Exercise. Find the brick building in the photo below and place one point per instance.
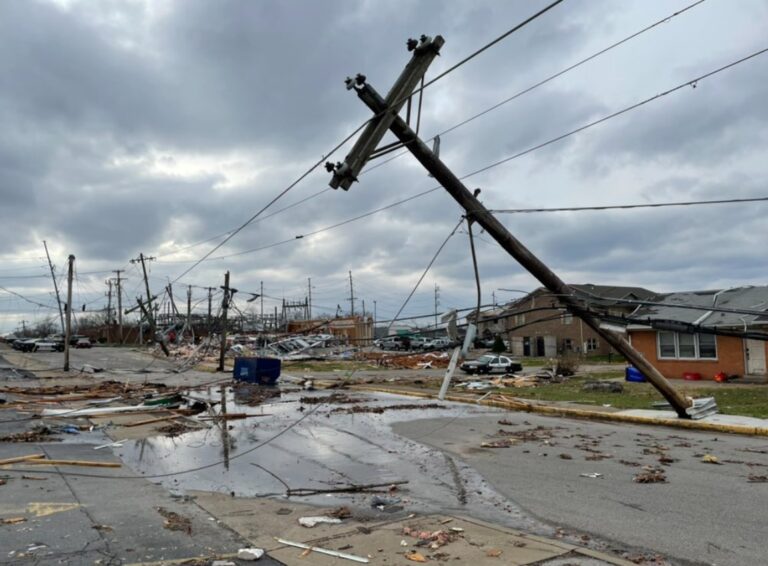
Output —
(538, 324)
(676, 338)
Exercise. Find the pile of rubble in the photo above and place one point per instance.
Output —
(429, 360)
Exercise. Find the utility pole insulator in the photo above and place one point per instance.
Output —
(346, 174)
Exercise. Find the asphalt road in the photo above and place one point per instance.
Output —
(705, 514)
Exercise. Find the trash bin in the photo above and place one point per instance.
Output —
(263, 371)
(633, 374)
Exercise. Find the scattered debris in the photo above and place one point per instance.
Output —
(650, 475)
(304, 491)
(339, 513)
(597, 456)
(333, 398)
(507, 422)
(415, 557)
(326, 551)
(630, 463)
(175, 429)
(13, 520)
(565, 457)
(174, 521)
(493, 552)
(310, 522)
(388, 504)
(379, 410)
(433, 539)
(39, 433)
(710, 459)
(591, 475)
(250, 554)
(26, 458)
(254, 395)
(503, 443)
(754, 478)
(666, 460)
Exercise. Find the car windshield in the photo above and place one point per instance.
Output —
(485, 359)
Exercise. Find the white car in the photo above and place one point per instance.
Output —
(490, 363)
(48, 345)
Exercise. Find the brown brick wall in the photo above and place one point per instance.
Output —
(576, 331)
(730, 357)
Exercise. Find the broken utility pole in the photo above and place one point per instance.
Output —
(150, 318)
(55, 287)
(224, 308)
(386, 117)
(119, 291)
(68, 329)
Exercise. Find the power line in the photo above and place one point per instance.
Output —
(26, 299)
(429, 266)
(548, 79)
(357, 130)
(692, 83)
(627, 206)
(489, 45)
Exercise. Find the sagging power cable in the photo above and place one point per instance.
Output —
(359, 129)
(429, 266)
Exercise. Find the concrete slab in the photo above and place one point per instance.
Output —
(81, 520)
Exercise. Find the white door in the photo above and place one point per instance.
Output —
(550, 346)
(755, 351)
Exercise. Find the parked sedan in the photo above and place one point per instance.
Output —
(27, 345)
(490, 363)
(48, 344)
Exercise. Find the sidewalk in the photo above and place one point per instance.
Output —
(716, 423)
(389, 542)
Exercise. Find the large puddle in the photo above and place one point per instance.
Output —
(325, 450)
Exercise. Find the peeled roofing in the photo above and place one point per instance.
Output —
(750, 298)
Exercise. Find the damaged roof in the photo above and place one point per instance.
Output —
(741, 298)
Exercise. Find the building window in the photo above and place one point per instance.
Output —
(707, 346)
(519, 319)
(667, 345)
(567, 344)
(591, 344)
(567, 318)
(683, 346)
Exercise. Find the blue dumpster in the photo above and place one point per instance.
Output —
(633, 374)
(263, 371)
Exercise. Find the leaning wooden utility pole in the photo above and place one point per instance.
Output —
(189, 312)
(119, 291)
(150, 317)
(386, 113)
(68, 328)
(55, 287)
(224, 308)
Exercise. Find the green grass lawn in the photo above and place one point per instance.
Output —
(746, 400)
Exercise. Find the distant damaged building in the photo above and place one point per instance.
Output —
(538, 325)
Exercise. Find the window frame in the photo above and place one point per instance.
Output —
(696, 347)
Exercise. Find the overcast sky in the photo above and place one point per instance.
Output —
(151, 125)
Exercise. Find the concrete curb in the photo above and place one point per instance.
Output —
(515, 404)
